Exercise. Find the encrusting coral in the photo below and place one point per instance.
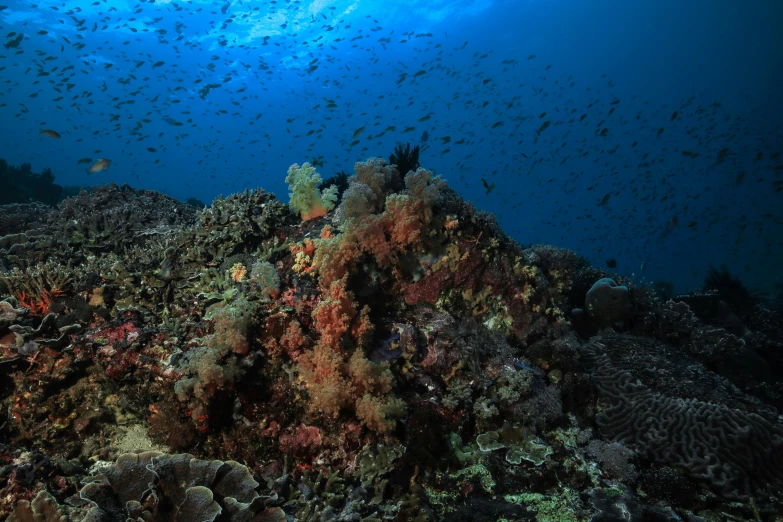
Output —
(397, 357)
(156, 486)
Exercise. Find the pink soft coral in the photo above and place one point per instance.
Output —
(301, 440)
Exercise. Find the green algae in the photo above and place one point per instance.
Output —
(564, 506)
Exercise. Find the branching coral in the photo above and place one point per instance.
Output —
(35, 288)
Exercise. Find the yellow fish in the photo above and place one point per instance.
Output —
(98, 166)
(49, 133)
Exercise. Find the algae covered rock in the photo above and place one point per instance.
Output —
(607, 304)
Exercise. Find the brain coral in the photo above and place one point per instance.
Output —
(725, 445)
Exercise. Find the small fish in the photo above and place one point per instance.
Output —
(98, 166)
(358, 131)
(13, 44)
(487, 186)
(49, 133)
(611, 263)
(84, 160)
(722, 155)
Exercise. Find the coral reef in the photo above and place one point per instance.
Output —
(730, 443)
(156, 486)
(21, 185)
(395, 358)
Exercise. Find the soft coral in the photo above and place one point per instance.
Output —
(402, 226)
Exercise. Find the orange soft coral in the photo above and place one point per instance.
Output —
(368, 376)
(323, 372)
(333, 257)
(408, 219)
(379, 414)
(294, 340)
(402, 226)
(307, 247)
(334, 314)
(363, 328)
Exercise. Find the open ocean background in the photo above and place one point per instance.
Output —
(662, 150)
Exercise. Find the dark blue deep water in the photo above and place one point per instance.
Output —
(647, 132)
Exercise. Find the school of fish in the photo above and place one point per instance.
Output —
(499, 126)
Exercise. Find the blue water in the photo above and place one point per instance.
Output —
(579, 184)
